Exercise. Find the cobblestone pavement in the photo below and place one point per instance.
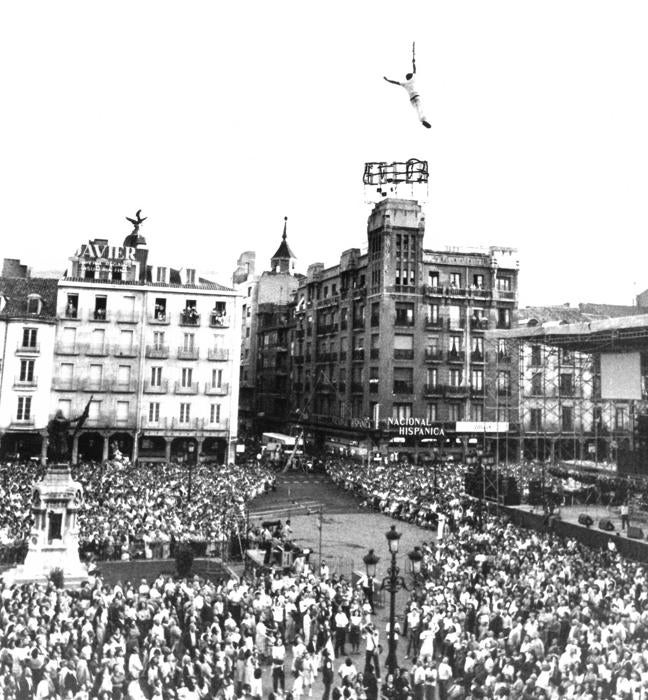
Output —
(348, 532)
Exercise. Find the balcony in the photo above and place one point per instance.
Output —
(403, 354)
(432, 390)
(192, 424)
(157, 352)
(477, 356)
(123, 351)
(97, 350)
(401, 387)
(453, 391)
(503, 357)
(218, 354)
(432, 290)
(330, 328)
(159, 318)
(161, 388)
(434, 323)
(454, 291)
(503, 390)
(109, 419)
(433, 355)
(358, 323)
(127, 317)
(22, 423)
(374, 353)
(22, 349)
(456, 356)
(67, 348)
(404, 322)
(99, 315)
(455, 324)
(187, 353)
(358, 354)
(307, 357)
(189, 317)
(477, 391)
(70, 314)
(327, 357)
(123, 387)
(217, 320)
(25, 383)
(357, 388)
(191, 388)
(221, 390)
(64, 384)
(159, 424)
(93, 385)
(221, 425)
(504, 295)
(479, 324)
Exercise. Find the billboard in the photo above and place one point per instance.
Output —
(621, 376)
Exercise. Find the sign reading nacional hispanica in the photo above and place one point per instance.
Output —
(95, 251)
(416, 427)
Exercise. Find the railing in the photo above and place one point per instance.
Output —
(479, 324)
(70, 314)
(28, 349)
(327, 357)
(187, 353)
(157, 352)
(401, 387)
(503, 357)
(329, 328)
(119, 351)
(453, 390)
(23, 422)
(476, 390)
(477, 356)
(433, 355)
(188, 318)
(432, 390)
(456, 356)
(99, 315)
(191, 388)
(433, 323)
(358, 323)
(218, 320)
(403, 354)
(127, 317)
(358, 354)
(357, 387)
(432, 290)
(404, 322)
(222, 424)
(123, 387)
(67, 348)
(109, 419)
(221, 390)
(220, 354)
(503, 390)
(159, 424)
(97, 350)
(161, 388)
(504, 294)
(24, 382)
(161, 318)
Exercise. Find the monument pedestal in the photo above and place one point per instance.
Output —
(54, 538)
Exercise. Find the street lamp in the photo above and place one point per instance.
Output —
(370, 561)
(190, 449)
(393, 583)
(416, 559)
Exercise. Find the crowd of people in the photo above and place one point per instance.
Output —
(140, 511)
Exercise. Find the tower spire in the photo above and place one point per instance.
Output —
(285, 225)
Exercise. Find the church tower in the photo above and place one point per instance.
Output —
(284, 259)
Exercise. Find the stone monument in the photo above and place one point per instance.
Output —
(55, 502)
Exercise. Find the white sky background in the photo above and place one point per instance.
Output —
(220, 119)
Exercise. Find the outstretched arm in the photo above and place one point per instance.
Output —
(413, 57)
(393, 82)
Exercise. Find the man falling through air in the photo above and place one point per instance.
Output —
(414, 97)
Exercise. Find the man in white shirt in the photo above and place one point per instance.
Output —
(372, 649)
(415, 99)
(341, 623)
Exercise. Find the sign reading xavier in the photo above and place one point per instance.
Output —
(95, 251)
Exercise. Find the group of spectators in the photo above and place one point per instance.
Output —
(140, 511)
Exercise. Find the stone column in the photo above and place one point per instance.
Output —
(106, 447)
(75, 449)
(167, 449)
(135, 454)
(199, 444)
(44, 444)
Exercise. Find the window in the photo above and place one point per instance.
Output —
(27, 370)
(502, 350)
(123, 375)
(156, 376)
(218, 314)
(503, 318)
(154, 412)
(620, 418)
(72, 306)
(478, 281)
(567, 356)
(431, 412)
(433, 279)
(404, 314)
(455, 412)
(454, 346)
(158, 340)
(187, 376)
(477, 380)
(503, 382)
(214, 413)
(95, 376)
(29, 337)
(536, 355)
(455, 280)
(567, 418)
(185, 412)
(101, 303)
(454, 313)
(401, 411)
(477, 412)
(190, 314)
(456, 377)
(375, 313)
(160, 309)
(66, 374)
(191, 276)
(432, 377)
(536, 384)
(374, 375)
(65, 406)
(404, 347)
(403, 380)
(504, 284)
(122, 412)
(188, 341)
(34, 304)
(24, 408)
(566, 385)
(217, 378)
(161, 275)
(432, 314)
(535, 419)
(478, 347)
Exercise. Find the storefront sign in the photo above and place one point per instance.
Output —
(94, 251)
(418, 427)
(481, 427)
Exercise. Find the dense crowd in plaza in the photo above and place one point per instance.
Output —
(141, 510)
(498, 611)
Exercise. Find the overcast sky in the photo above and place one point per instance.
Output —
(220, 119)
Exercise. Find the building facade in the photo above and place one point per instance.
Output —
(398, 333)
(27, 335)
(152, 350)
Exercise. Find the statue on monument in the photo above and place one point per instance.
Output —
(58, 431)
